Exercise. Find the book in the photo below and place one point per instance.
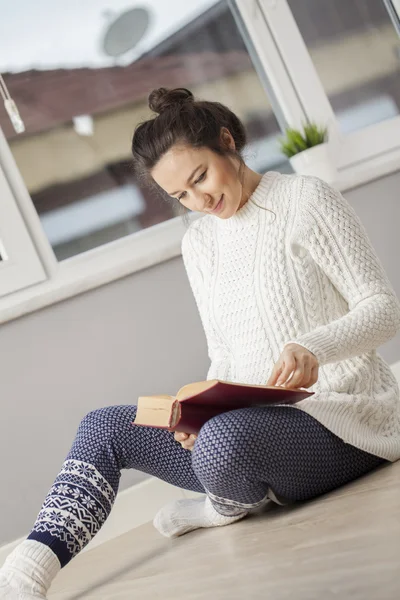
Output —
(196, 403)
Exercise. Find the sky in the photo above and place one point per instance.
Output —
(49, 34)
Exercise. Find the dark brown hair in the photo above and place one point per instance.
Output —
(182, 119)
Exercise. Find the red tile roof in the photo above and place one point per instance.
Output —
(49, 99)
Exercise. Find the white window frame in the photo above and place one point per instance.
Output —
(282, 55)
(20, 266)
(393, 7)
(296, 84)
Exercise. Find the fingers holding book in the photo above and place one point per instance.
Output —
(297, 367)
(186, 440)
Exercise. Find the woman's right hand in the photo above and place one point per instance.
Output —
(186, 440)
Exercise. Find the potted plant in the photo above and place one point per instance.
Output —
(308, 151)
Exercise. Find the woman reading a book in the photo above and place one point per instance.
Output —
(290, 292)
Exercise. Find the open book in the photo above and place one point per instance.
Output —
(196, 403)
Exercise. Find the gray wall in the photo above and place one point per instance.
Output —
(378, 205)
(135, 336)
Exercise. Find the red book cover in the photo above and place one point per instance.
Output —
(196, 403)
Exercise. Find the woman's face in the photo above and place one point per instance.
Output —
(201, 180)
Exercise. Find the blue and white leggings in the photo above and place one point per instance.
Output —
(238, 457)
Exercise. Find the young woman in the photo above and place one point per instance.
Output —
(290, 292)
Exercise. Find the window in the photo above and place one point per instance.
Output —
(335, 62)
(80, 111)
(356, 52)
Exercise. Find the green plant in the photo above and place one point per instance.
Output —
(296, 141)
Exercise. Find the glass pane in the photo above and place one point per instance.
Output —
(80, 106)
(356, 51)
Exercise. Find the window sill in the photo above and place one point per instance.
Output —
(143, 250)
(363, 173)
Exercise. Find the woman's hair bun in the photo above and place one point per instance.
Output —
(162, 99)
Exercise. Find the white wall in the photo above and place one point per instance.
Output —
(134, 336)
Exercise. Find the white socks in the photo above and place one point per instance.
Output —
(183, 516)
(30, 569)
(28, 572)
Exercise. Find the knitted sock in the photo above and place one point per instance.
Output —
(183, 516)
(28, 572)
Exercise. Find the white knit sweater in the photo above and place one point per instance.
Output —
(305, 273)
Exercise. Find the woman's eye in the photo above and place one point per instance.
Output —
(201, 178)
(198, 180)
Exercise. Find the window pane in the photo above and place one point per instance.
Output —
(80, 107)
(356, 51)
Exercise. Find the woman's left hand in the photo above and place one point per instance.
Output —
(296, 368)
(186, 440)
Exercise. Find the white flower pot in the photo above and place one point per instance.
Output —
(315, 161)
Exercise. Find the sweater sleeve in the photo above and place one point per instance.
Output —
(192, 252)
(338, 243)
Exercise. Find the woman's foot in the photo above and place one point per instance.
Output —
(28, 572)
(183, 516)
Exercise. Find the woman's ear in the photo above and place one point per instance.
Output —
(227, 140)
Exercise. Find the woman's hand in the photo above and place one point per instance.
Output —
(296, 367)
(186, 440)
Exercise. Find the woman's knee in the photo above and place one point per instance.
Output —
(220, 448)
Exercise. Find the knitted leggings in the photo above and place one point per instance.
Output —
(238, 457)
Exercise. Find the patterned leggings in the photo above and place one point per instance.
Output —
(238, 457)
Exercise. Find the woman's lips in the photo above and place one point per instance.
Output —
(219, 206)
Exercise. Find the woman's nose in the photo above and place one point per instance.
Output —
(203, 201)
(207, 200)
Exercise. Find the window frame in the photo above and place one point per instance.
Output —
(296, 83)
(393, 8)
(21, 266)
(281, 54)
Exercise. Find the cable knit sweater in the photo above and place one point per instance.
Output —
(304, 273)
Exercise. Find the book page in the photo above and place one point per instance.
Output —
(192, 389)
